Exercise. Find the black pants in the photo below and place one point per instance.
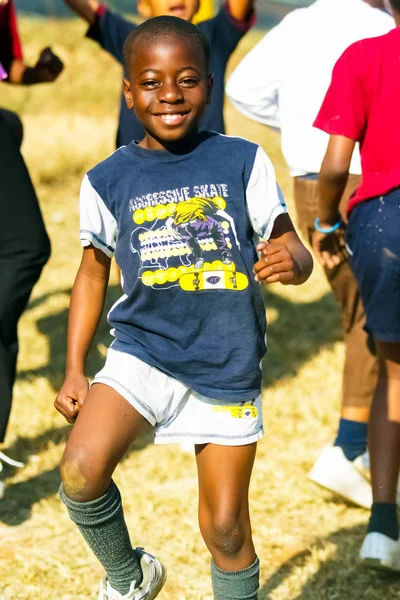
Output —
(24, 250)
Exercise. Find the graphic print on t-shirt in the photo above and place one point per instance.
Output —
(188, 242)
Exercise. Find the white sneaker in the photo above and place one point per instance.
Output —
(154, 577)
(337, 474)
(381, 552)
(9, 461)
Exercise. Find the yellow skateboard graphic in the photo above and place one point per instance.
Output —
(213, 280)
(247, 411)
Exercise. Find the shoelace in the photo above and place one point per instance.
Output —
(112, 594)
(9, 461)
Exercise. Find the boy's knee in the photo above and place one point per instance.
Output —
(73, 476)
(82, 481)
(226, 535)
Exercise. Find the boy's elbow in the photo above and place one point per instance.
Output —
(240, 10)
(333, 172)
(86, 9)
(337, 160)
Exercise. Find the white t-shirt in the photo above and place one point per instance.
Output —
(283, 80)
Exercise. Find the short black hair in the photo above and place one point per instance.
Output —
(163, 27)
(396, 5)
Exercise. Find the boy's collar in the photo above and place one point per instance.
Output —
(173, 152)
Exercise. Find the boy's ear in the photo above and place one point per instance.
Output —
(210, 85)
(126, 88)
(144, 9)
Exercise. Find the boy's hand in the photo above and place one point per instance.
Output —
(49, 66)
(330, 249)
(276, 264)
(71, 396)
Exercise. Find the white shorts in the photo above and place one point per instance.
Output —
(177, 413)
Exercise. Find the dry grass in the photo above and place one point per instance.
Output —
(307, 541)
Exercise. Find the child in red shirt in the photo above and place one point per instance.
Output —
(361, 106)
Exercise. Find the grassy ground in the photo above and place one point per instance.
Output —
(307, 541)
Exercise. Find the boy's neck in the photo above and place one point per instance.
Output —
(183, 146)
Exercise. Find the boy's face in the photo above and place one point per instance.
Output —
(184, 9)
(169, 88)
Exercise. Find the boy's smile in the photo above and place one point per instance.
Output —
(169, 89)
(172, 118)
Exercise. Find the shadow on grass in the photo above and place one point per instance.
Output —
(54, 326)
(22, 495)
(341, 577)
(299, 333)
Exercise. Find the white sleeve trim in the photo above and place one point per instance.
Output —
(264, 197)
(97, 225)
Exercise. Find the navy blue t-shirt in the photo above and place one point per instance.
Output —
(182, 227)
(224, 33)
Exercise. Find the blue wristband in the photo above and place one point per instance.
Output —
(326, 229)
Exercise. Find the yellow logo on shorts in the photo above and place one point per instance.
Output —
(246, 411)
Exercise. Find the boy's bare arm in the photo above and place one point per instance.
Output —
(240, 9)
(284, 258)
(87, 302)
(332, 182)
(86, 9)
(333, 178)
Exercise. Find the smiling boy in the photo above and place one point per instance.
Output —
(189, 339)
(224, 32)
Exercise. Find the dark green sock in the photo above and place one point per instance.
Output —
(102, 524)
(236, 585)
(384, 520)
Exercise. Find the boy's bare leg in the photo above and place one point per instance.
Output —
(106, 426)
(384, 440)
(224, 476)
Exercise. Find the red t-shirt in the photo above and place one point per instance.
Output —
(363, 104)
(10, 45)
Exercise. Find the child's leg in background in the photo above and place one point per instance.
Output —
(224, 476)
(360, 368)
(376, 265)
(106, 426)
(384, 441)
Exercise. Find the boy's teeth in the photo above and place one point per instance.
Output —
(170, 118)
